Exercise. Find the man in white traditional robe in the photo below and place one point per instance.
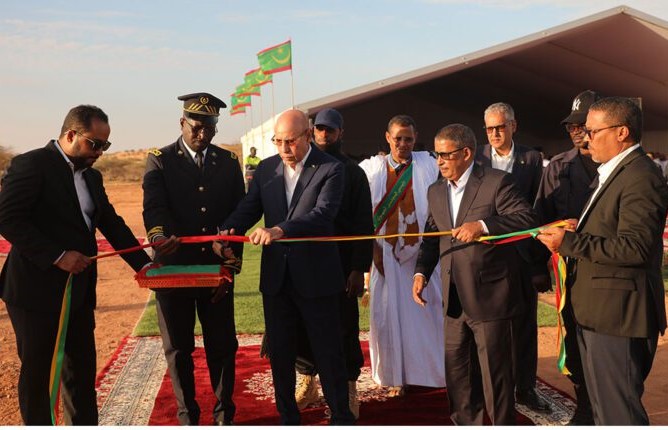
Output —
(405, 340)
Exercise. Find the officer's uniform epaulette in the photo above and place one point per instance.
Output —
(155, 152)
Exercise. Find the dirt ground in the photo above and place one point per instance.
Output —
(120, 304)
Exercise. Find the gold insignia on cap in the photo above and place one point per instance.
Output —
(204, 100)
(155, 152)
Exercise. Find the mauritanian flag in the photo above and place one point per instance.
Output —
(239, 101)
(237, 110)
(257, 78)
(246, 90)
(276, 58)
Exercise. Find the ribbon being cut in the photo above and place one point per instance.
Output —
(156, 276)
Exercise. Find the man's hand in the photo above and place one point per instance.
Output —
(468, 232)
(73, 262)
(222, 249)
(552, 237)
(572, 224)
(220, 292)
(264, 236)
(419, 282)
(167, 246)
(355, 284)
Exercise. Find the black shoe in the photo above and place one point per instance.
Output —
(530, 399)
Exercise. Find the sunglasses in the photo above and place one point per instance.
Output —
(95, 143)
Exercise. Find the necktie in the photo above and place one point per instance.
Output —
(199, 159)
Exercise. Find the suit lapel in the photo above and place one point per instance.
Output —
(444, 201)
(471, 190)
(94, 190)
(277, 189)
(304, 178)
(629, 158)
(67, 179)
(519, 163)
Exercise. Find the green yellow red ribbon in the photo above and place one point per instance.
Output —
(559, 268)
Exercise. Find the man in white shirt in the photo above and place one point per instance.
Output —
(525, 165)
(617, 294)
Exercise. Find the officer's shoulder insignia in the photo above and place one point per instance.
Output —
(233, 155)
(155, 152)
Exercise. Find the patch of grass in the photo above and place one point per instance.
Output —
(547, 315)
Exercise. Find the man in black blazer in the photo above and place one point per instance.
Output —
(525, 166)
(189, 187)
(354, 219)
(51, 203)
(299, 193)
(617, 293)
(563, 192)
(481, 292)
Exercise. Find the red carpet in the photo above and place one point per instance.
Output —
(420, 406)
(134, 389)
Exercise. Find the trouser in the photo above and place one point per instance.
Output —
(615, 368)
(478, 370)
(176, 318)
(352, 349)
(525, 344)
(283, 313)
(35, 342)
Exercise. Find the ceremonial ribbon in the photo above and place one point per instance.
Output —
(557, 263)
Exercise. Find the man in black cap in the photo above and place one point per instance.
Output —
(190, 186)
(563, 192)
(354, 218)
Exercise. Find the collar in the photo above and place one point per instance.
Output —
(605, 169)
(463, 180)
(510, 154)
(191, 152)
(395, 164)
(67, 159)
(300, 164)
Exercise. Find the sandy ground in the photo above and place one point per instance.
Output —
(120, 304)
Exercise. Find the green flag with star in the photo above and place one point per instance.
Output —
(276, 58)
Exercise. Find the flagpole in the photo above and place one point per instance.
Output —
(273, 113)
(261, 116)
(292, 80)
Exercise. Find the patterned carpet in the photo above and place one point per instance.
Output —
(132, 391)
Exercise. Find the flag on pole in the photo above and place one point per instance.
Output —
(239, 101)
(238, 110)
(276, 58)
(246, 90)
(257, 78)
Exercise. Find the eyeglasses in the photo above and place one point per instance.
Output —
(591, 133)
(406, 139)
(495, 128)
(197, 129)
(447, 155)
(573, 128)
(95, 144)
(289, 142)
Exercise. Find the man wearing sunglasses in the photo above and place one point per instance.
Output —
(480, 294)
(190, 186)
(563, 193)
(51, 204)
(525, 166)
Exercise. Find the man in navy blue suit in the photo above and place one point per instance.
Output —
(299, 193)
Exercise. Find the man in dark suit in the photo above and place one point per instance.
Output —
(617, 292)
(189, 187)
(563, 193)
(299, 192)
(354, 219)
(525, 166)
(481, 291)
(51, 203)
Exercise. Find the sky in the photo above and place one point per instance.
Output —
(133, 58)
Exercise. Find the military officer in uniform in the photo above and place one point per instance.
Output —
(190, 186)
